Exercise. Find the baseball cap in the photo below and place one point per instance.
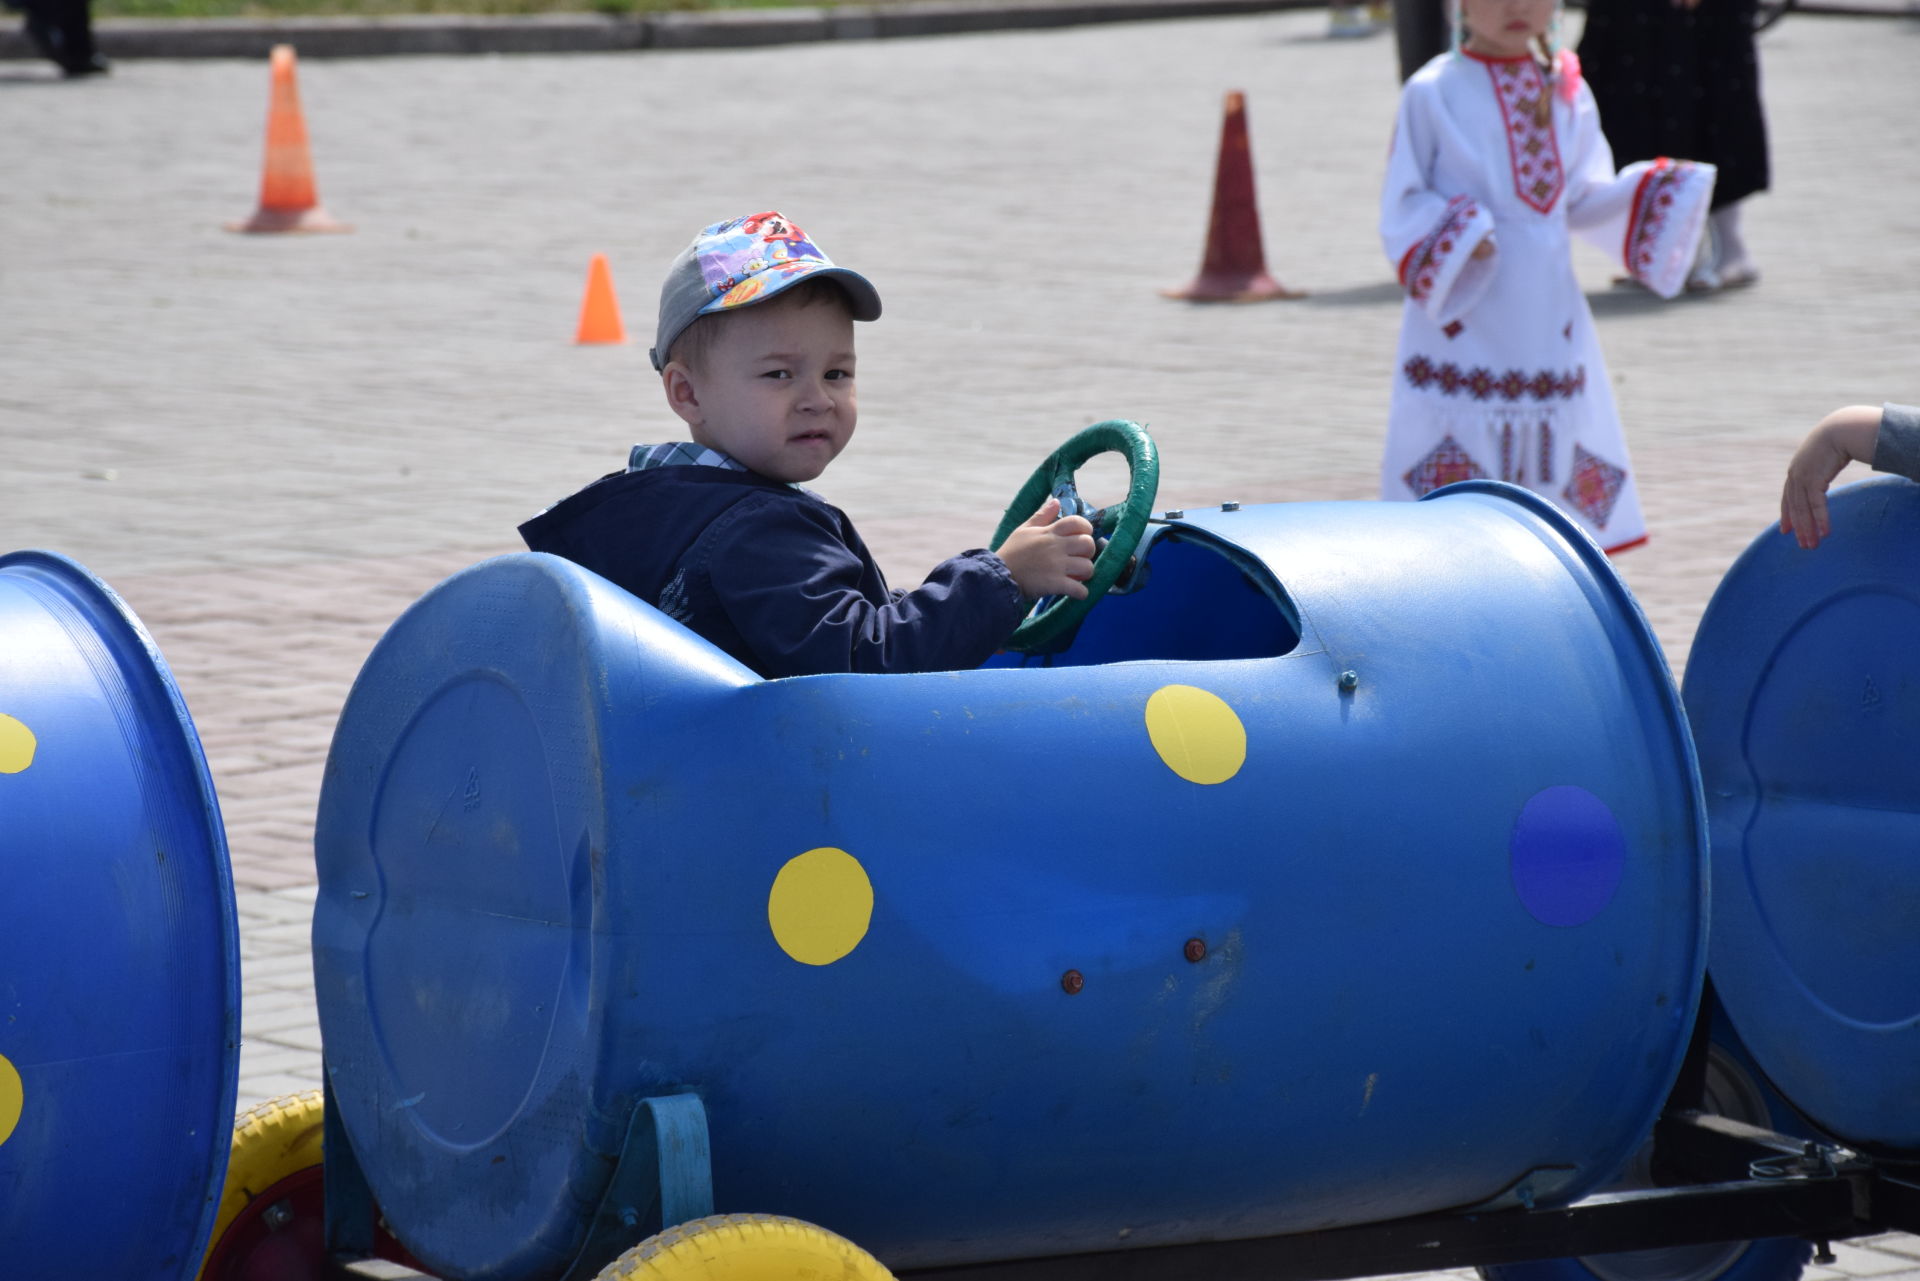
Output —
(743, 261)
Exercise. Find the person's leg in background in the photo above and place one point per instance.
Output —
(63, 31)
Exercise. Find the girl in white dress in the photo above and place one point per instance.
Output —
(1497, 157)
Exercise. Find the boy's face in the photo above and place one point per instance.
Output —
(774, 389)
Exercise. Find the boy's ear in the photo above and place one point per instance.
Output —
(682, 396)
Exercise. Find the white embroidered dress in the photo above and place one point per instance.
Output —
(1498, 372)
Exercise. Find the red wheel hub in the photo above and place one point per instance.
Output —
(280, 1235)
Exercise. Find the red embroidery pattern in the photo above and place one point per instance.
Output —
(1652, 202)
(1538, 177)
(1482, 383)
(1513, 444)
(1595, 486)
(1446, 463)
(1452, 328)
(1423, 262)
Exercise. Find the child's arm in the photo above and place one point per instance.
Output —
(1649, 216)
(797, 593)
(1049, 555)
(1440, 244)
(1853, 434)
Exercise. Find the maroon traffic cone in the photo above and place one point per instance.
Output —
(1234, 268)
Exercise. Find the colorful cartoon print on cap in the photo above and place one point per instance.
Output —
(746, 291)
(736, 256)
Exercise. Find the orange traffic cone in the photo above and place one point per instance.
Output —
(287, 200)
(599, 313)
(1234, 268)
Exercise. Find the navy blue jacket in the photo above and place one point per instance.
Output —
(775, 576)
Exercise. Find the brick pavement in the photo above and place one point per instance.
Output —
(271, 446)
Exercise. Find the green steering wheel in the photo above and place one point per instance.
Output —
(1121, 525)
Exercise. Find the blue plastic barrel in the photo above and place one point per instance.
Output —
(1804, 692)
(1388, 901)
(119, 951)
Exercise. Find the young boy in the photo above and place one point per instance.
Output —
(1886, 439)
(755, 353)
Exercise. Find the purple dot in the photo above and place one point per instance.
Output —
(1568, 853)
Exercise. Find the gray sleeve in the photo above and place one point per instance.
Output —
(1897, 448)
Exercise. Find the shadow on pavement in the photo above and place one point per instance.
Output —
(1631, 300)
(1379, 293)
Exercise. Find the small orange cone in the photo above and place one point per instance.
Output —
(287, 200)
(599, 313)
(1234, 268)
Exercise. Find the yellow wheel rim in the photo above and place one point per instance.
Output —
(278, 1138)
(745, 1247)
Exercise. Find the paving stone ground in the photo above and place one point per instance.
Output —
(270, 446)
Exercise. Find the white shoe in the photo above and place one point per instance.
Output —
(1703, 280)
(1349, 21)
(1704, 277)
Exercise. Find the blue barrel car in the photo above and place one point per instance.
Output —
(1328, 901)
(1344, 864)
(1803, 695)
(119, 952)
(1808, 718)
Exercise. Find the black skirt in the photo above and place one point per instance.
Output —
(1680, 82)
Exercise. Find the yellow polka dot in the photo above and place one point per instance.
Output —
(16, 745)
(1196, 734)
(11, 1098)
(821, 905)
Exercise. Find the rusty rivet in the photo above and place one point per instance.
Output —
(1071, 982)
(1196, 949)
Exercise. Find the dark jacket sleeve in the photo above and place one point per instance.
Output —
(796, 587)
(1897, 448)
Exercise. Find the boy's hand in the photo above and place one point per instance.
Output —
(1050, 555)
(1843, 436)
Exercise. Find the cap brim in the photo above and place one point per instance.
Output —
(863, 300)
(860, 291)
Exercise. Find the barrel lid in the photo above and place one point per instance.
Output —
(1803, 689)
(119, 1022)
(464, 958)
